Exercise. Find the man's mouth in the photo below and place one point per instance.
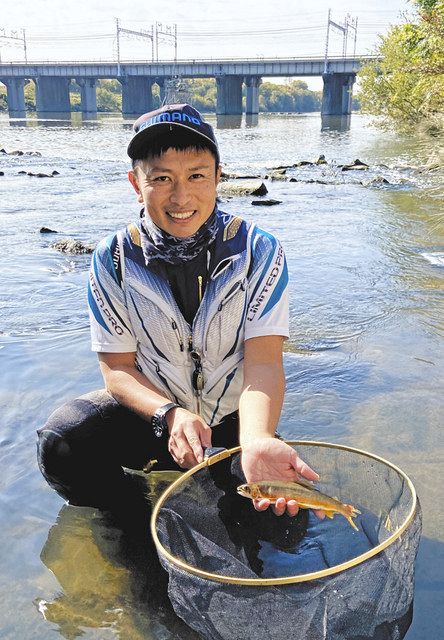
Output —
(181, 215)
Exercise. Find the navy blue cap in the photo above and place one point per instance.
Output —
(155, 123)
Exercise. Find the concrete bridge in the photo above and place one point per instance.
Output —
(52, 82)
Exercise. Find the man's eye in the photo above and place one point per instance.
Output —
(161, 179)
(197, 175)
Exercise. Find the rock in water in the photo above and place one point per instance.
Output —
(242, 188)
(357, 165)
(265, 203)
(71, 245)
(47, 230)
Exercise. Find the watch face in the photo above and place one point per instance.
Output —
(157, 426)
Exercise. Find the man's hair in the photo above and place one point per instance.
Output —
(179, 141)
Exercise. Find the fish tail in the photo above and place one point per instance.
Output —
(349, 513)
(352, 523)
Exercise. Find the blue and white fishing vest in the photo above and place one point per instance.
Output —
(132, 309)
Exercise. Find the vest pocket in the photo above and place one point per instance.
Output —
(226, 326)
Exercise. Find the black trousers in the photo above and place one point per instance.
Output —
(85, 444)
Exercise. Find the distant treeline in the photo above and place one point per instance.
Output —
(294, 96)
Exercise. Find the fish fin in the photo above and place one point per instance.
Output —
(329, 514)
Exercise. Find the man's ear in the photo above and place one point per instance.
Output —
(133, 179)
(218, 174)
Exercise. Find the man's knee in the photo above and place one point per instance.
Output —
(67, 441)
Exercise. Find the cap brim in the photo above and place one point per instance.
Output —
(139, 145)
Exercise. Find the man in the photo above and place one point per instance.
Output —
(189, 312)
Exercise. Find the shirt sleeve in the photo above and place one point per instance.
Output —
(268, 308)
(110, 324)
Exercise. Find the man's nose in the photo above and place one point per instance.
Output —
(180, 193)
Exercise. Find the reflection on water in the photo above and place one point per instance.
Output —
(110, 577)
(251, 119)
(225, 121)
(336, 123)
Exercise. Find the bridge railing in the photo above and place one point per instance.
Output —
(256, 59)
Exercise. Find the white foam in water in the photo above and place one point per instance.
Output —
(435, 257)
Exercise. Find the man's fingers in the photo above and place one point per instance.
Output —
(206, 437)
(198, 442)
(261, 505)
(280, 506)
(292, 507)
(304, 470)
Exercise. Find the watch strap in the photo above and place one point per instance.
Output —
(158, 421)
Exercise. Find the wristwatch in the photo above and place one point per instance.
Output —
(158, 421)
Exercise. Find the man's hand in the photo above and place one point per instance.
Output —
(189, 436)
(268, 458)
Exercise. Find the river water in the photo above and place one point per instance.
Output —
(364, 364)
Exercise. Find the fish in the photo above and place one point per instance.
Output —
(304, 493)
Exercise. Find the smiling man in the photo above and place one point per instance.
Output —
(189, 312)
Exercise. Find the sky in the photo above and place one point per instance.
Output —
(86, 30)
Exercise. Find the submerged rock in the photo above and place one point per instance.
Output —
(303, 163)
(242, 188)
(278, 174)
(282, 166)
(321, 160)
(376, 181)
(314, 181)
(40, 174)
(18, 152)
(265, 203)
(225, 175)
(357, 165)
(47, 230)
(71, 245)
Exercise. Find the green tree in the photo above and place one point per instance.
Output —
(109, 96)
(203, 93)
(3, 100)
(406, 85)
(30, 96)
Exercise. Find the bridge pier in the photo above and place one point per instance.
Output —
(15, 92)
(88, 94)
(137, 97)
(252, 104)
(52, 94)
(229, 95)
(337, 94)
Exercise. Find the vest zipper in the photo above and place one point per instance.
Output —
(198, 380)
(177, 332)
(200, 285)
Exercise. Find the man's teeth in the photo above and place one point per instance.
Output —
(182, 215)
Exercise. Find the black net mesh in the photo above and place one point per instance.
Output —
(241, 555)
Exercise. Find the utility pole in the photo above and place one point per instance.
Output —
(165, 32)
(118, 47)
(13, 35)
(349, 23)
(24, 45)
(137, 34)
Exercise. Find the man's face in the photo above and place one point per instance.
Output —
(178, 189)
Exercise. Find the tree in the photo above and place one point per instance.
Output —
(406, 85)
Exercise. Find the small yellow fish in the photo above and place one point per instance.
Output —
(305, 494)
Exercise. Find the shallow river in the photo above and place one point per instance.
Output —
(364, 364)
